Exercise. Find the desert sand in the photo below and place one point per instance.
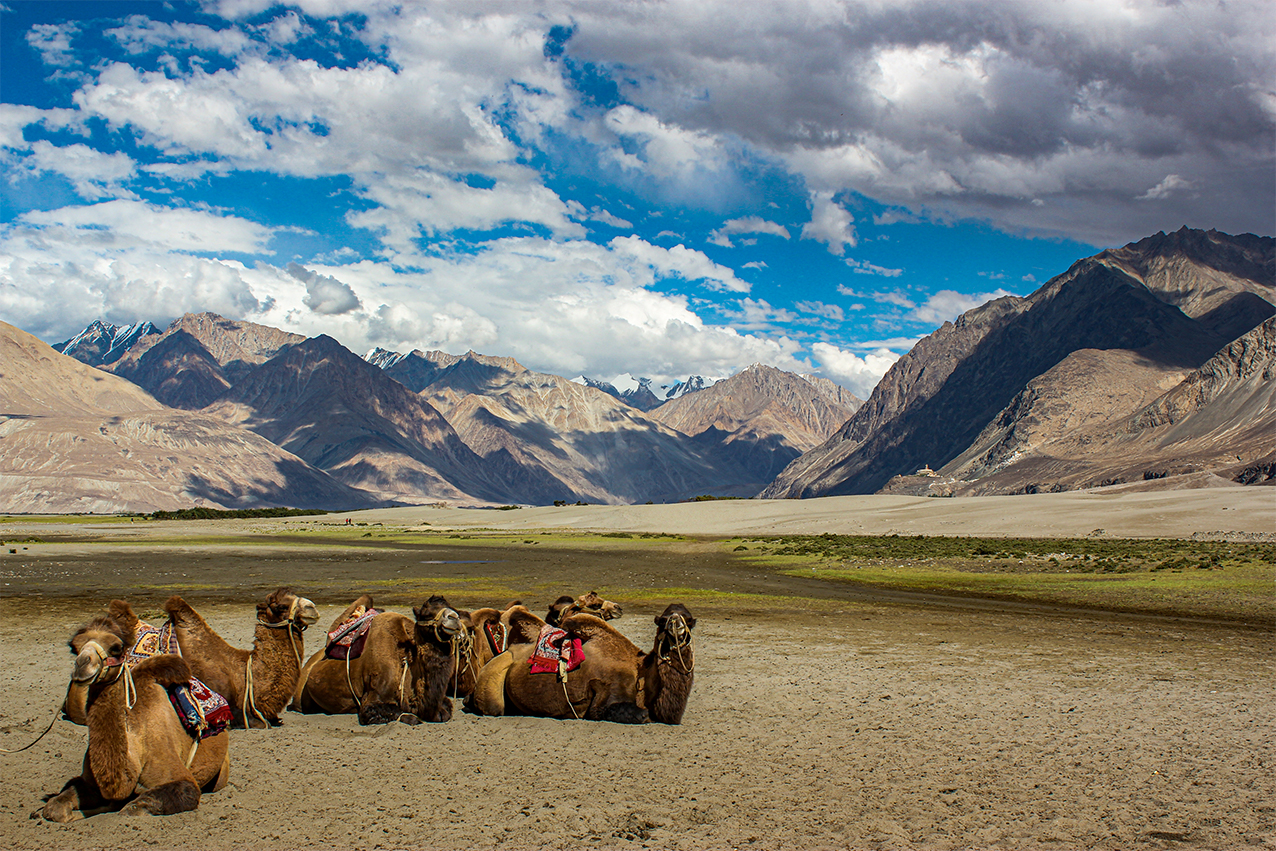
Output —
(818, 720)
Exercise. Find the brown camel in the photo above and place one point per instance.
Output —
(403, 673)
(491, 631)
(615, 682)
(258, 682)
(591, 603)
(136, 739)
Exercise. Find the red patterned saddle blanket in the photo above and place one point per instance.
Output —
(347, 640)
(553, 647)
(203, 711)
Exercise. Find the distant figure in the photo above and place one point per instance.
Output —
(347, 521)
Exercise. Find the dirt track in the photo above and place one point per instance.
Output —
(827, 723)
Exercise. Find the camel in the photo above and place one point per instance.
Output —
(591, 603)
(615, 682)
(140, 758)
(258, 682)
(402, 674)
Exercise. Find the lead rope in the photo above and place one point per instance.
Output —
(250, 699)
(358, 704)
(52, 721)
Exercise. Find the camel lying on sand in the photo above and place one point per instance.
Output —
(136, 739)
(403, 672)
(590, 604)
(615, 682)
(257, 683)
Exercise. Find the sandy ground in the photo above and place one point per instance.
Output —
(1116, 512)
(822, 721)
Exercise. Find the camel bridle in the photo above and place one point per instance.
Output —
(296, 625)
(676, 638)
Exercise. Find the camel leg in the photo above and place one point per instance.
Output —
(71, 804)
(178, 796)
(381, 697)
(488, 697)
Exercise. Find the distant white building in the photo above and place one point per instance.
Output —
(926, 471)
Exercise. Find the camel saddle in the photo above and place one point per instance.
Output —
(203, 711)
(556, 652)
(347, 640)
(498, 636)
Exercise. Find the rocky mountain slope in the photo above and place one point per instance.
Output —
(569, 441)
(340, 413)
(759, 419)
(76, 439)
(998, 390)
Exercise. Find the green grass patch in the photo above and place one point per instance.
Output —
(1211, 579)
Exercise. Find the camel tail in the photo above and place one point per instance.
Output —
(626, 713)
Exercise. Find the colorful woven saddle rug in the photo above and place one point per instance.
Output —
(553, 647)
(498, 636)
(347, 640)
(203, 711)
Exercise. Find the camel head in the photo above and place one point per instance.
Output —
(99, 646)
(435, 615)
(673, 628)
(592, 604)
(557, 611)
(283, 606)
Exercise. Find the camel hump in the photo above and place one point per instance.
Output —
(122, 613)
(587, 626)
(166, 669)
(524, 626)
(175, 605)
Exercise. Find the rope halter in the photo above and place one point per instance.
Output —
(676, 638)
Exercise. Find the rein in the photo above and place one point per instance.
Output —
(52, 721)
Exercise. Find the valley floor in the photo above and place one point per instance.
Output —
(818, 720)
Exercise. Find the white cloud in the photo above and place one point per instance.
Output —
(858, 374)
(1162, 190)
(830, 224)
(123, 224)
(680, 261)
(748, 224)
(324, 294)
(947, 305)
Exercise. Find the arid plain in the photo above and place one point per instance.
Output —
(826, 713)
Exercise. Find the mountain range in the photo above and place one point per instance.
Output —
(1138, 364)
(1149, 365)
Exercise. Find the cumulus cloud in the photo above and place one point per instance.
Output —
(325, 295)
(748, 224)
(122, 224)
(830, 224)
(947, 305)
(857, 373)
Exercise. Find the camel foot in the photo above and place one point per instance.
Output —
(626, 713)
(379, 713)
(180, 796)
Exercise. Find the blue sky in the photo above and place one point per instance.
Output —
(602, 188)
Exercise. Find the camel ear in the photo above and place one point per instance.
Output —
(419, 612)
(166, 669)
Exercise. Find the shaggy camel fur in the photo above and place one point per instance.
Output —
(403, 673)
(257, 683)
(616, 681)
(136, 740)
